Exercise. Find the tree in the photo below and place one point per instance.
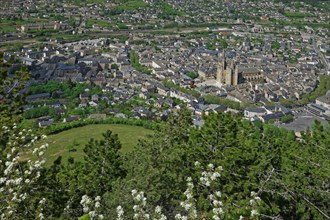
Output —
(287, 118)
(158, 166)
(275, 45)
(12, 101)
(103, 162)
(102, 166)
(114, 66)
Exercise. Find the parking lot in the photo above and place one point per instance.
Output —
(302, 120)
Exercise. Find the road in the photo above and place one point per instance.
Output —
(320, 54)
(27, 40)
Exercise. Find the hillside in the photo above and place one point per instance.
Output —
(70, 143)
(282, 175)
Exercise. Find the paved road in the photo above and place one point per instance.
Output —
(320, 54)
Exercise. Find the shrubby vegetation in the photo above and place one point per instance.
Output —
(212, 99)
(192, 92)
(57, 128)
(192, 75)
(39, 112)
(135, 62)
(287, 118)
(261, 164)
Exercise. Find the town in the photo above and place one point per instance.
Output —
(147, 59)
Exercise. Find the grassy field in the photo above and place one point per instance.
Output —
(72, 142)
(100, 23)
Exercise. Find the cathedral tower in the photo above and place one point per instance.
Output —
(221, 76)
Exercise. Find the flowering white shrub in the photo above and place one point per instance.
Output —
(158, 215)
(92, 207)
(140, 204)
(254, 203)
(189, 204)
(17, 178)
(120, 213)
(209, 176)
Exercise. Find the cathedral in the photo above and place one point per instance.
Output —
(230, 74)
(226, 74)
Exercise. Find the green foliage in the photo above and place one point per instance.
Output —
(100, 23)
(168, 10)
(224, 43)
(70, 90)
(287, 118)
(122, 26)
(85, 217)
(135, 62)
(210, 46)
(275, 45)
(12, 100)
(211, 99)
(39, 112)
(288, 174)
(192, 92)
(132, 5)
(114, 66)
(192, 75)
(57, 128)
(254, 158)
(103, 163)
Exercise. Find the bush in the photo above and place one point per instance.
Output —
(287, 118)
(57, 128)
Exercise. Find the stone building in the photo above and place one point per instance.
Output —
(228, 73)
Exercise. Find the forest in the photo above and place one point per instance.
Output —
(230, 168)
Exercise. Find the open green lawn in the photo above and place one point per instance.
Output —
(100, 23)
(71, 143)
(132, 5)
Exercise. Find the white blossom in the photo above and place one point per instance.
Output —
(253, 194)
(120, 213)
(18, 181)
(2, 180)
(97, 204)
(134, 191)
(254, 213)
(158, 209)
(35, 150)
